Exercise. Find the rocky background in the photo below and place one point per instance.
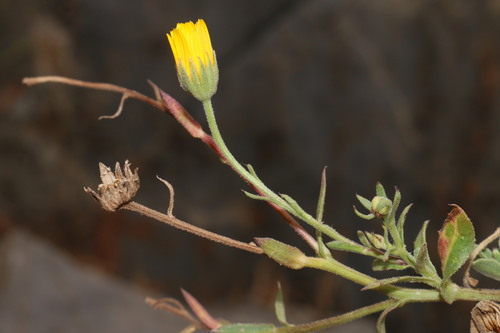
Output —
(402, 92)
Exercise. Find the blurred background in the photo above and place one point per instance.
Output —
(402, 92)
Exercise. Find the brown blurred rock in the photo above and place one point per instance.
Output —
(44, 290)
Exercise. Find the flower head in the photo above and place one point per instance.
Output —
(195, 59)
(118, 188)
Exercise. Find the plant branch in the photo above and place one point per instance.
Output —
(179, 224)
(165, 102)
(337, 320)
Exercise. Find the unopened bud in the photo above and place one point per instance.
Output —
(381, 206)
(282, 253)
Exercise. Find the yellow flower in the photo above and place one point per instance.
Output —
(195, 59)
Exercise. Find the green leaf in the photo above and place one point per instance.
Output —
(488, 267)
(323, 252)
(391, 218)
(455, 242)
(383, 316)
(420, 240)
(398, 279)
(259, 197)
(424, 265)
(322, 195)
(246, 328)
(401, 222)
(363, 239)
(252, 171)
(384, 265)
(347, 247)
(279, 306)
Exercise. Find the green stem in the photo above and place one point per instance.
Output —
(214, 129)
(337, 320)
(395, 292)
(469, 294)
(294, 209)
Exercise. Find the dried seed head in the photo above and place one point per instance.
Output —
(118, 188)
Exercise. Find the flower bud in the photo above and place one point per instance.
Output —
(282, 253)
(195, 59)
(381, 206)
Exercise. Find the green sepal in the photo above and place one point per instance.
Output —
(379, 190)
(370, 216)
(365, 202)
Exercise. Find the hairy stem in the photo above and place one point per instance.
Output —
(179, 224)
(337, 320)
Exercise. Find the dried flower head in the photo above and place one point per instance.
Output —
(118, 188)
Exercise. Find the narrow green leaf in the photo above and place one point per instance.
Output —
(391, 218)
(323, 252)
(424, 265)
(455, 242)
(347, 247)
(488, 267)
(398, 279)
(379, 189)
(384, 265)
(255, 196)
(246, 328)
(383, 316)
(279, 306)
(259, 197)
(365, 202)
(252, 171)
(363, 239)
(322, 195)
(421, 239)
(401, 222)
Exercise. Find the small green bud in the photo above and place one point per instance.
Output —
(381, 206)
(376, 240)
(282, 253)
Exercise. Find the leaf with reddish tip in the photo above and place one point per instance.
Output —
(210, 322)
(455, 242)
